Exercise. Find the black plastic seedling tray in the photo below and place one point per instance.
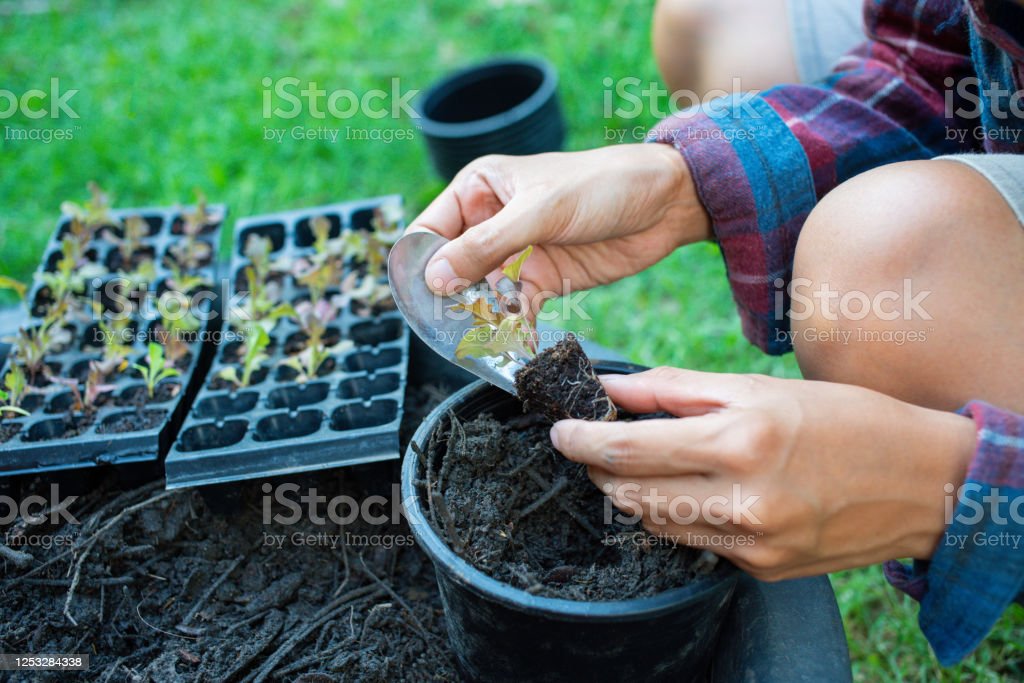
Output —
(347, 416)
(40, 445)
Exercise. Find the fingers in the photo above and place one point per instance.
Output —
(682, 393)
(641, 449)
(482, 249)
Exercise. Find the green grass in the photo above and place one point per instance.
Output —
(171, 98)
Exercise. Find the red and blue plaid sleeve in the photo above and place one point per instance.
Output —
(761, 163)
(978, 568)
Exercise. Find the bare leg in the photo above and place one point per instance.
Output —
(703, 45)
(944, 228)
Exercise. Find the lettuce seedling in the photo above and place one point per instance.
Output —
(178, 330)
(191, 252)
(95, 386)
(314, 319)
(156, 369)
(15, 388)
(497, 333)
(559, 383)
(255, 346)
(86, 219)
(135, 230)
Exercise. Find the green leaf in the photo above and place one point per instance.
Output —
(14, 409)
(11, 283)
(513, 270)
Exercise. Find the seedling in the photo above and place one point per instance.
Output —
(191, 252)
(70, 274)
(559, 383)
(156, 369)
(33, 344)
(85, 220)
(178, 325)
(262, 304)
(95, 387)
(255, 346)
(496, 331)
(135, 230)
(15, 388)
(314, 319)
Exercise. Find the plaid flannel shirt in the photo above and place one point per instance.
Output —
(761, 163)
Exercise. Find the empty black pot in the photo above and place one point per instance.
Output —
(500, 633)
(507, 106)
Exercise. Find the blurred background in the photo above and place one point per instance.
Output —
(172, 96)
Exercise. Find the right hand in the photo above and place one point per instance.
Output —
(593, 217)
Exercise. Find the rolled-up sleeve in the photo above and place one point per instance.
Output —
(978, 569)
(762, 162)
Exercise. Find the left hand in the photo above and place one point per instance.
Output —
(786, 478)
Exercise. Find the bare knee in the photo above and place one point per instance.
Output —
(703, 45)
(676, 28)
(905, 281)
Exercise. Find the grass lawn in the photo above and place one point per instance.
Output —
(171, 98)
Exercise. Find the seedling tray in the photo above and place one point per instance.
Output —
(41, 444)
(346, 416)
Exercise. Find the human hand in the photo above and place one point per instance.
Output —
(593, 217)
(843, 476)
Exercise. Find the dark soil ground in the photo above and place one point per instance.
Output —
(532, 519)
(190, 586)
(157, 586)
(560, 383)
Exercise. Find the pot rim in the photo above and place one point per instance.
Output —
(478, 72)
(446, 560)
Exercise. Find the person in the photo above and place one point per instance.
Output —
(872, 222)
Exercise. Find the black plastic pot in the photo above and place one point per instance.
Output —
(500, 633)
(347, 416)
(506, 106)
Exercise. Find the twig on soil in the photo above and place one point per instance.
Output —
(205, 597)
(322, 616)
(16, 557)
(64, 583)
(545, 498)
(138, 611)
(576, 517)
(449, 523)
(88, 545)
(397, 598)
